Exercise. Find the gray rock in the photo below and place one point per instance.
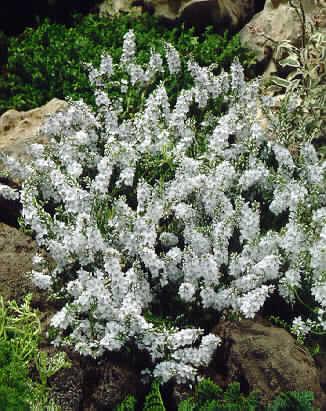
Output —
(223, 14)
(20, 129)
(277, 22)
(268, 359)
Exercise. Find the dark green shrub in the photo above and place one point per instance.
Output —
(46, 62)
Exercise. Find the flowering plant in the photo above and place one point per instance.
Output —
(196, 203)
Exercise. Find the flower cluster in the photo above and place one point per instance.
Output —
(8, 193)
(131, 202)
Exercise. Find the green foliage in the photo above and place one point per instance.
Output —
(187, 405)
(20, 334)
(210, 397)
(207, 390)
(289, 401)
(46, 62)
(19, 337)
(153, 401)
(128, 404)
(276, 320)
(14, 381)
(159, 167)
(20, 325)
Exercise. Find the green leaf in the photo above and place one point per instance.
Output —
(279, 81)
(187, 405)
(154, 401)
(128, 404)
(290, 62)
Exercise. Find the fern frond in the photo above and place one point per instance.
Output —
(128, 404)
(187, 405)
(293, 400)
(154, 401)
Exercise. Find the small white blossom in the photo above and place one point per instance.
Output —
(41, 280)
(300, 328)
(251, 303)
(173, 59)
(8, 193)
(187, 292)
(249, 223)
(129, 47)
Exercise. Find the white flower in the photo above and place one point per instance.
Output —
(283, 157)
(173, 59)
(294, 240)
(287, 285)
(62, 319)
(251, 302)
(187, 292)
(155, 65)
(129, 47)
(268, 267)
(17, 168)
(249, 223)
(106, 67)
(8, 193)
(237, 77)
(300, 328)
(38, 259)
(74, 169)
(127, 176)
(256, 174)
(319, 292)
(41, 280)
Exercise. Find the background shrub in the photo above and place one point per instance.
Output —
(46, 62)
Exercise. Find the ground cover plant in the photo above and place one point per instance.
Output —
(162, 212)
(20, 335)
(45, 62)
